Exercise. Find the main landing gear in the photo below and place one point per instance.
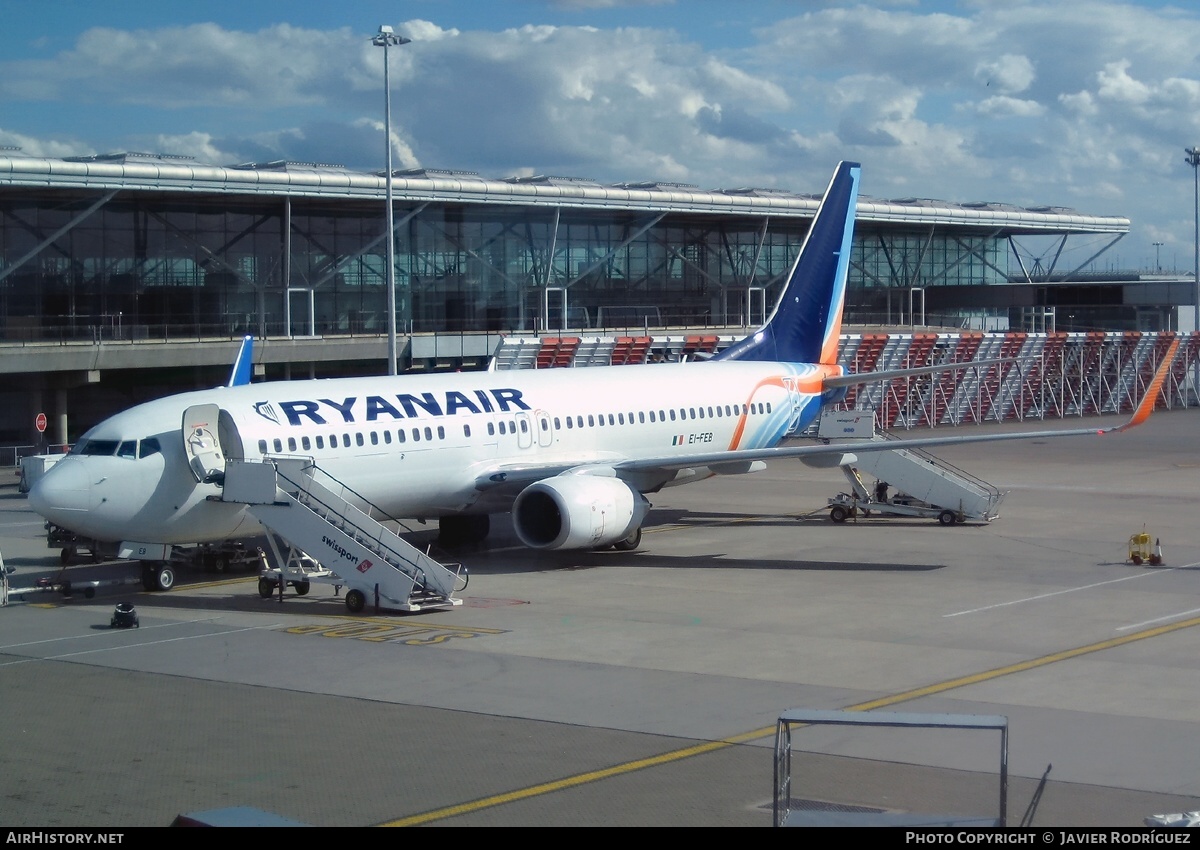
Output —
(157, 576)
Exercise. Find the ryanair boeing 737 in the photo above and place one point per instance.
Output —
(570, 453)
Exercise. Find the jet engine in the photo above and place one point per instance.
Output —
(577, 512)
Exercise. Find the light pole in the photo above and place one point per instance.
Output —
(1193, 159)
(387, 38)
(1157, 261)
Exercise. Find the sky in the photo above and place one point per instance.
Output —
(1086, 104)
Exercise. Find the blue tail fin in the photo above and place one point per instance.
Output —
(807, 321)
(240, 373)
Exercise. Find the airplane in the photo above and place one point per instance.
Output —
(570, 453)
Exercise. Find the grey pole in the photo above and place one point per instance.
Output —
(1194, 161)
(386, 38)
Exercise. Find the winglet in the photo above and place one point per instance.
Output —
(243, 364)
(1146, 406)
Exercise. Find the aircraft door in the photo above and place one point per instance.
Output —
(541, 423)
(229, 438)
(202, 442)
(524, 431)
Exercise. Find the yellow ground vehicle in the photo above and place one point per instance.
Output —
(1141, 552)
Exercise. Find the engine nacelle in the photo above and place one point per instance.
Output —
(577, 512)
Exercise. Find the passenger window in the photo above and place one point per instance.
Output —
(591, 421)
(416, 435)
(612, 419)
(441, 432)
(693, 411)
(768, 407)
(570, 423)
(374, 439)
(503, 427)
(672, 414)
(652, 416)
(578, 421)
(466, 430)
(400, 437)
(387, 437)
(291, 444)
(358, 438)
(557, 423)
(346, 440)
(262, 446)
(641, 417)
(320, 441)
(491, 429)
(428, 433)
(545, 425)
(621, 419)
(524, 426)
(305, 444)
(278, 446)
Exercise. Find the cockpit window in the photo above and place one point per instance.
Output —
(128, 448)
(97, 447)
(149, 446)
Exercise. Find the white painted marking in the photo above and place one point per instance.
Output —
(136, 645)
(1070, 590)
(1167, 618)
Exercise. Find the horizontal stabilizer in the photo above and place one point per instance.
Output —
(891, 374)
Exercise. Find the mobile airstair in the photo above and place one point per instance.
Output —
(345, 546)
(909, 483)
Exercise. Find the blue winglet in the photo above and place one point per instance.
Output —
(242, 366)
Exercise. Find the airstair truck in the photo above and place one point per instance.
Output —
(908, 482)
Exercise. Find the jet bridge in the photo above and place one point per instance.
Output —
(354, 549)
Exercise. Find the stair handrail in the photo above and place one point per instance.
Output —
(422, 578)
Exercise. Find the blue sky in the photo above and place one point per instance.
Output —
(1087, 105)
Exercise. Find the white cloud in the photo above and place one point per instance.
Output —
(53, 148)
(1009, 107)
(1009, 74)
(1027, 101)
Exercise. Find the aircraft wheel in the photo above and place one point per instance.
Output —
(947, 517)
(302, 588)
(838, 514)
(265, 588)
(66, 555)
(89, 592)
(221, 563)
(148, 577)
(631, 542)
(164, 578)
(356, 600)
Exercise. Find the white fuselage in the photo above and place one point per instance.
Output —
(425, 445)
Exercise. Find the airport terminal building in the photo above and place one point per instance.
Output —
(127, 276)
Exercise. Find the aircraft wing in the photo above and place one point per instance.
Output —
(518, 475)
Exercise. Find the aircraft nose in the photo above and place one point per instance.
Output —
(64, 491)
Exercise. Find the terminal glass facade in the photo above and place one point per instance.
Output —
(170, 265)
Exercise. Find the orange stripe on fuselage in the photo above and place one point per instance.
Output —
(813, 384)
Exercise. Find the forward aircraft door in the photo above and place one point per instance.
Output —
(209, 437)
